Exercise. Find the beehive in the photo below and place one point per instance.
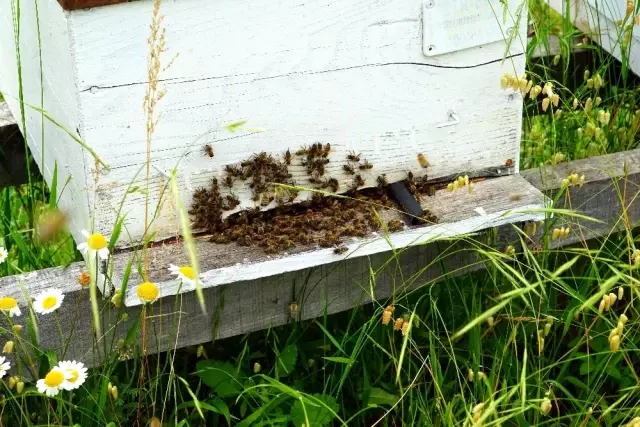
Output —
(386, 79)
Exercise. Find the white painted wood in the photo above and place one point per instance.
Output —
(353, 75)
(58, 92)
(598, 20)
(459, 212)
(450, 26)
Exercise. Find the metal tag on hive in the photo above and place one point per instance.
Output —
(450, 26)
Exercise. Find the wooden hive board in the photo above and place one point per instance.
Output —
(352, 75)
(598, 20)
(493, 202)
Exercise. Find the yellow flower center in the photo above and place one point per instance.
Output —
(7, 303)
(97, 241)
(74, 375)
(148, 292)
(187, 272)
(49, 302)
(54, 379)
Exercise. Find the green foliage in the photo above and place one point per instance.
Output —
(485, 348)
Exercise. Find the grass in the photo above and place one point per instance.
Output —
(536, 339)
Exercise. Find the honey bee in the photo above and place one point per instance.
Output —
(353, 157)
(228, 181)
(348, 169)
(358, 181)
(50, 224)
(287, 157)
(332, 183)
(340, 250)
(422, 159)
(303, 151)
(509, 163)
(208, 149)
(382, 181)
(365, 166)
(327, 150)
(395, 225)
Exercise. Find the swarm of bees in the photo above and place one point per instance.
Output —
(324, 221)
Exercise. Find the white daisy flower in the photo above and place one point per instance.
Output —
(148, 292)
(96, 243)
(3, 254)
(77, 372)
(48, 301)
(53, 382)
(10, 305)
(185, 273)
(4, 366)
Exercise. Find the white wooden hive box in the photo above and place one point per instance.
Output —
(387, 79)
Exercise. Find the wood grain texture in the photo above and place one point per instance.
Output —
(50, 145)
(225, 264)
(352, 75)
(251, 305)
(597, 19)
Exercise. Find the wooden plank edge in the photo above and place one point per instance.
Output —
(254, 305)
(479, 215)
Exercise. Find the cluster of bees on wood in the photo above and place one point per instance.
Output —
(323, 220)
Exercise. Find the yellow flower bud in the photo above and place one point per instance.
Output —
(555, 99)
(555, 233)
(545, 104)
(586, 75)
(589, 83)
(257, 368)
(545, 407)
(471, 187)
(614, 343)
(11, 383)
(580, 132)
(575, 103)
(114, 392)
(607, 302)
(620, 293)
(601, 307)
(547, 329)
(116, 299)
(556, 60)
(587, 105)
(470, 375)
(16, 329)
(624, 319)
(20, 387)
(480, 376)
(8, 347)
(450, 187)
(612, 298)
(490, 321)
(155, 422)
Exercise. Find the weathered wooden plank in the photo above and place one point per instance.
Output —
(256, 304)
(458, 214)
(13, 160)
(352, 75)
